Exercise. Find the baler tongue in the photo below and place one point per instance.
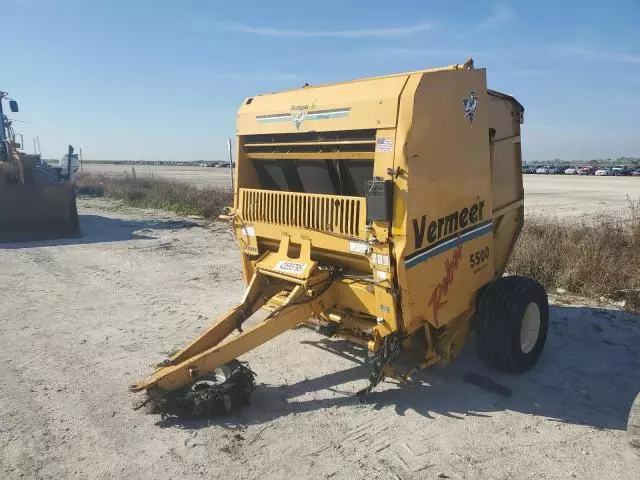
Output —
(204, 377)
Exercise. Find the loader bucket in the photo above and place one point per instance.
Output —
(37, 212)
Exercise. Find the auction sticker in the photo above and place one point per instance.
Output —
(291, 267)
(358, 247)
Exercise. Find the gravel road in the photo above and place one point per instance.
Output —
(82, 319)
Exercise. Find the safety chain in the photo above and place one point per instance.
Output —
(387, 354)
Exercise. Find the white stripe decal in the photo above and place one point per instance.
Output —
(465, 237)
(319, 115)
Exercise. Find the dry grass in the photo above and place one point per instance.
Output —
(599, 258)
(154, 192)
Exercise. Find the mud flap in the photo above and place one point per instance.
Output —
(38, 212)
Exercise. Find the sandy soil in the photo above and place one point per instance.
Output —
(82, 319)
(556, 195)
(580, 196)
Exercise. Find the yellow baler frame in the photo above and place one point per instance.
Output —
(306, 232)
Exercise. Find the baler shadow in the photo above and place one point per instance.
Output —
(588, 375)
(99, 229)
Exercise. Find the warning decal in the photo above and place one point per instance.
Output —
(384, 144)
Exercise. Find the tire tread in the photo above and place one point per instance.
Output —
(499, 311)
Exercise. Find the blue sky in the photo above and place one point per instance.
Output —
(155, 79)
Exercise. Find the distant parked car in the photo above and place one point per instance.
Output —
(603, 172)
(571, 171)
(542, 171)
(636, 172)
(621, 171)
(586, 171)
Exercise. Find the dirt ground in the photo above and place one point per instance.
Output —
(555, 195)
(82, 319)
(580, 196)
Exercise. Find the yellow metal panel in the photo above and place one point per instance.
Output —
(508, 226)
(505, 119)
(367, 104)
(355, 295)
(401, 197)
(449, 191)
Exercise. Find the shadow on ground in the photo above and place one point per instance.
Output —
(99, 229)
(588, 374)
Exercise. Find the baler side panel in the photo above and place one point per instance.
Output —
(449, 232)
(400, 223)
(508, 192)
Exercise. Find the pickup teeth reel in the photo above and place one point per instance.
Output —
(226, 390)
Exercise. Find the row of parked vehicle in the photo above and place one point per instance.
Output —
(617, 171)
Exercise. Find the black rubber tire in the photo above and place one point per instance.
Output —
(499, 315)
(633, 426)
(224, 390)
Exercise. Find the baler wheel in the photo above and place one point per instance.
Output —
(512, 320)
(224, 391)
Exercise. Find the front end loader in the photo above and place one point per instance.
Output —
(382, 211)
(36, 201)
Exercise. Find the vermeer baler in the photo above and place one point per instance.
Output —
(382, 211)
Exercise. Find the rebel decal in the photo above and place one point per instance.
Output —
(439, 296)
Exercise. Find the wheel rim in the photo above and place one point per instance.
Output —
(530, 328)
(218, 377)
